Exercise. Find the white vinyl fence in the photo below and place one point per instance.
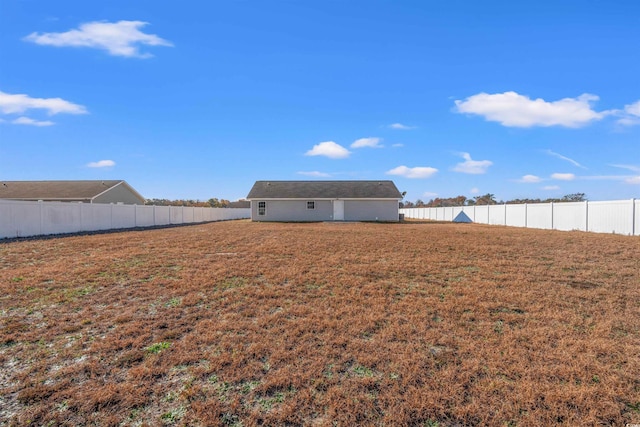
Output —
(23, 219)
(617, 216)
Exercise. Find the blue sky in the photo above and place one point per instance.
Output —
(200, 99)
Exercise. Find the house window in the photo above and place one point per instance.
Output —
(311, 205)
(262, 208)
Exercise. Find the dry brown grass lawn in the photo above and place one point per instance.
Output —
(240, 323)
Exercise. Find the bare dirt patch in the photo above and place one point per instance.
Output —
(241, 323)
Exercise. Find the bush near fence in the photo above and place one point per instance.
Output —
(25, 218)
(616, 216)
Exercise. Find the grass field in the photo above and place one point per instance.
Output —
(242, 324)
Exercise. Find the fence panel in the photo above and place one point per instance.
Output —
(497, 215)
(60, 218)
(19, 219)
(482, 214)
(144, 216)
(176, 214)
(570, 216)
(25, 218)
(162, 215)
(123, 216)
(617, 216)
(611, 217)
(95, 217)
(516, 215)
(540, 215)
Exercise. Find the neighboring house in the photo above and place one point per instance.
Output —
(113, 191)
(324, 201)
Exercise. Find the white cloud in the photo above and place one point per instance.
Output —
(560, 156)
(630, 115)
(19, 103)
(367, 142)
(429, 194)
(629, 167)
(551, 187)
(474, 190)
(417, 172)
(101, 164)
(315, 174)
(563, 176)
(398, 145)
(633, 180)
(329, 149)
(122, 38)
(400, 126)
(31, 122)
(515, 110)
(530, 179)
(471, 166)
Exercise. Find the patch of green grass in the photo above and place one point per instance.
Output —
(173, 302)
(267, 403)
(158, 347)
(363, 371)
(173, 416)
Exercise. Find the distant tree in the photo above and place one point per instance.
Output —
(487, 199)
(575, 197)
(215, 203)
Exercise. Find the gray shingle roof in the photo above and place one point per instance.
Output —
(324, 190)
(55, 190)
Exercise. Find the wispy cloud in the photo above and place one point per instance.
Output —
(19, 103)
(630, 115)
(416, 172)
(400, 126)
(560, 156)
(329, 149)
(514, 110)
(31, 122)
(475, 190)
(371, 142)
(530, 179)
(633, 180)
(551, 187)
(122, 38)
(101, 164)
(632, 168)
(563, 176)
(429, 194)
(470, 166)
(315, 174)
(398, 145)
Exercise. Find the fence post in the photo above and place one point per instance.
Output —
(552, 216)
(505, 214)
(526, 215)
(586, 214)
(41, 203)
(633, 217)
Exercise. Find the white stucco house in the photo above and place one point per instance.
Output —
(309, 201)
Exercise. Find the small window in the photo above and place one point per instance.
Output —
(311, 205)
(262, 208)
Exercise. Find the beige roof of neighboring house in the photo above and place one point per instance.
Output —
(81, 191)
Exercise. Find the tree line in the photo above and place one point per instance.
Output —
(211, 203)
(486, 199)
